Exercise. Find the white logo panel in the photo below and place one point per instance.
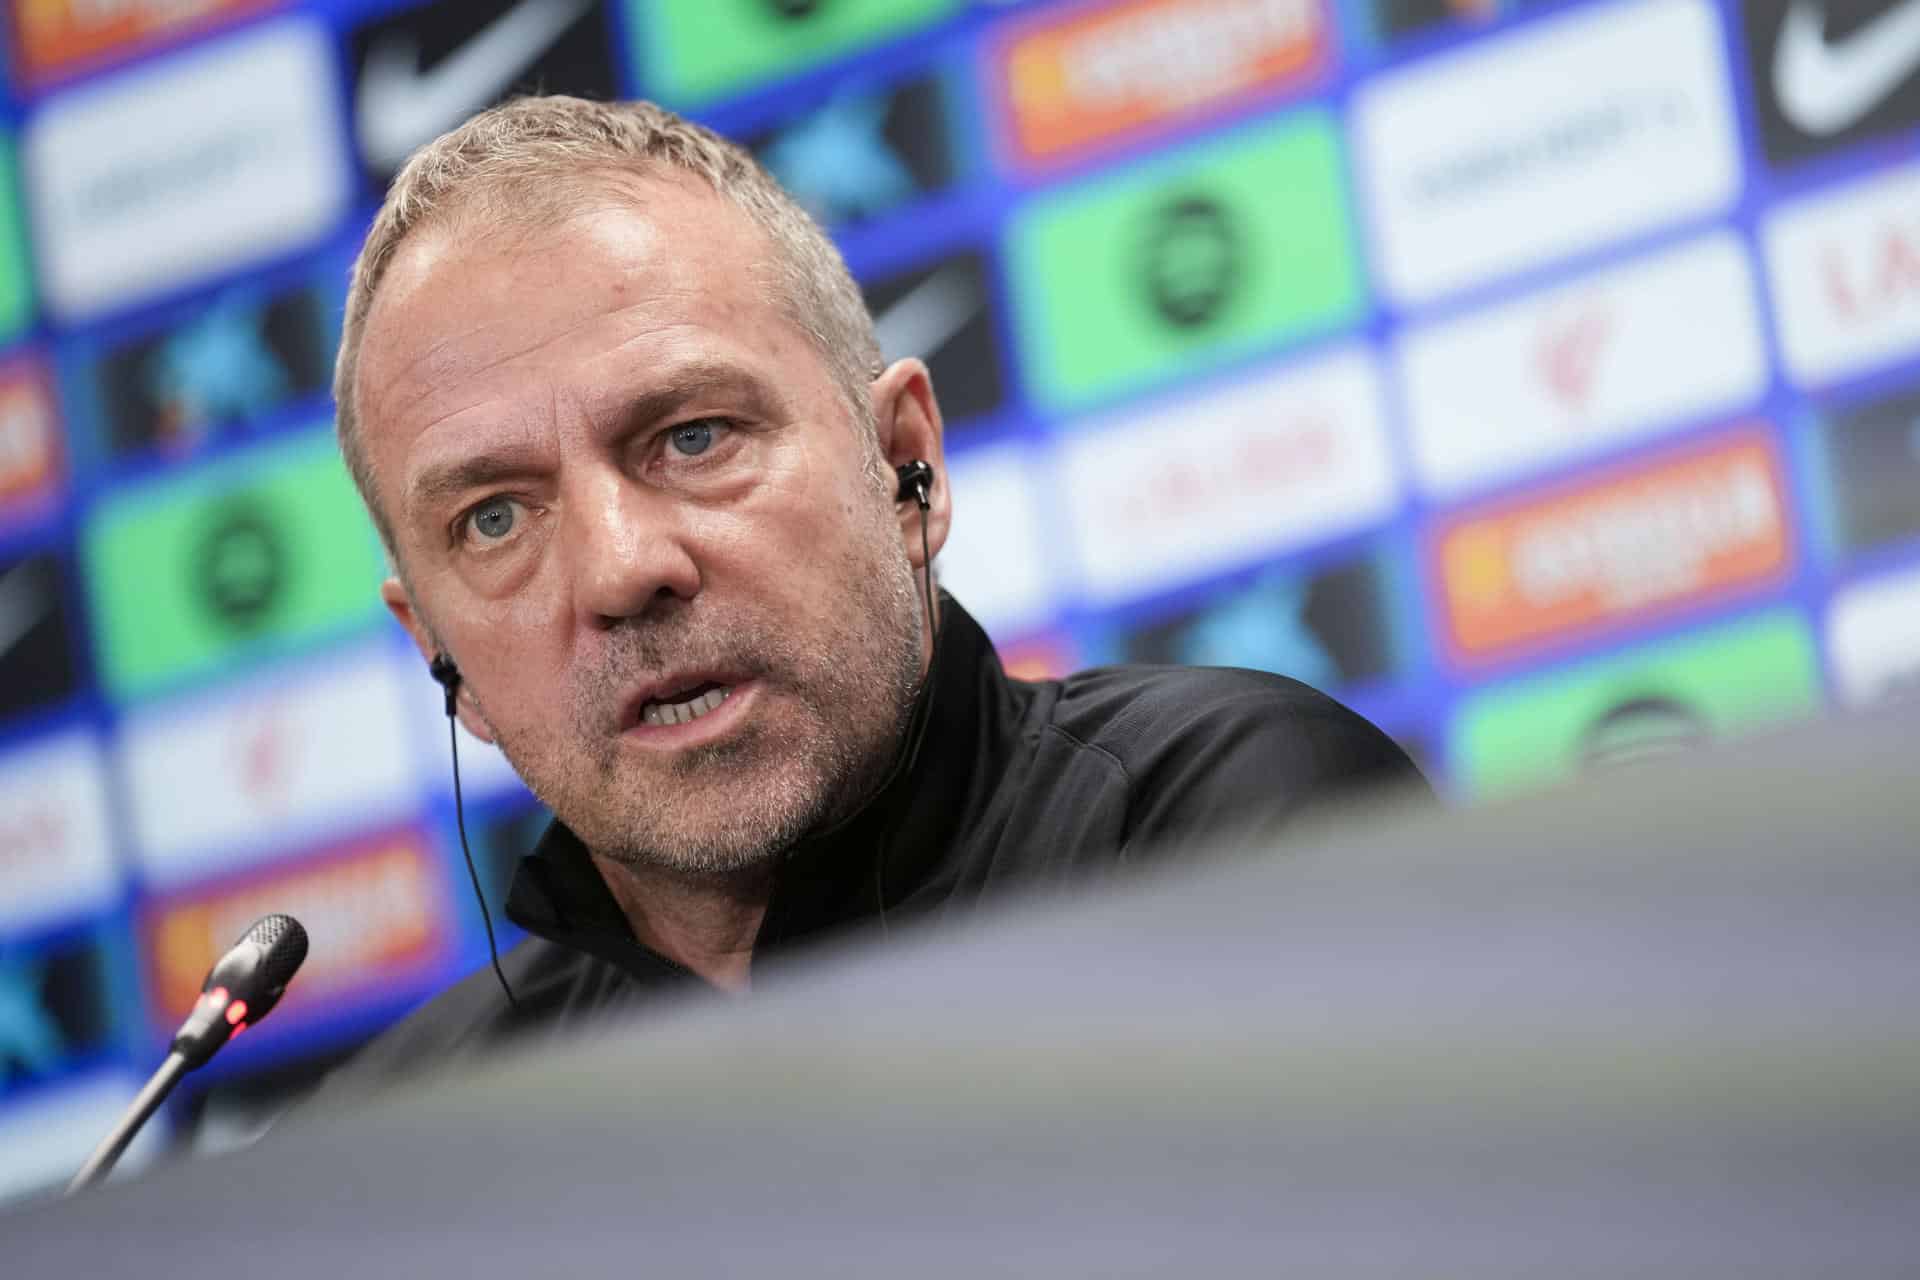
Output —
(1553, 140)
(284, 759)
(998, 558)
(1845, 272)
(56, 839)
(1571, 370)
(1873, 635)
(190, 166)
(1189, 487)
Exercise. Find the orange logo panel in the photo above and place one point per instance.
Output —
(1625, 544)
(53, 35)
(373, 912)
(29, 433)
(1095, 77)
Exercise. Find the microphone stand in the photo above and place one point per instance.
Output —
(115, 1144)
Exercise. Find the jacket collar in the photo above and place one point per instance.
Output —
(897, 847)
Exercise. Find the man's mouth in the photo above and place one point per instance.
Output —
(684, 705)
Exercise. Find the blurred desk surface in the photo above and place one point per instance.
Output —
(1661, 1024)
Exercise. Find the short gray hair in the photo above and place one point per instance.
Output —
(525, 162)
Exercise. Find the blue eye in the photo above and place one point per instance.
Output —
(494, 518)
(692, 438)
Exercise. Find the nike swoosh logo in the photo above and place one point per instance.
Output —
(398, 107)
(1826, 87)
(926, 319)
(22, 605)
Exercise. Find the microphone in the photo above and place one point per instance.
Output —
(242, 988)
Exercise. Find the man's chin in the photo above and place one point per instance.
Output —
(745, 823)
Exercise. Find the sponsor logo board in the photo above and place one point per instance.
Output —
(254, 555)
(1194, 259)
(283, 758)
(1393, 19)
(1558, 138)
(1829, 73)
(52, 36)
(37, 664)
(1873, 638)
(1327, 627)
(692, 51)
(941, 312)
(1079, 80)
(1618, 545)
(866, 152)
(151, 180)
(996, 561)
(424, 70)
(56, 1008)
(1582, 367)
(1870, 455)
(374, 911)
(32, 465)
(1188, 487)
(56, 839)
(1845, 272)
(49, 1134)
(1677, 694)
(220, 364)
(16, 271)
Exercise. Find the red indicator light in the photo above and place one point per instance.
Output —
(236, 1011)
(218, 995)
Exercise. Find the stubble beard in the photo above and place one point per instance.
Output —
(737, 805)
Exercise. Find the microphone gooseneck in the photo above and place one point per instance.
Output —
(242, 988)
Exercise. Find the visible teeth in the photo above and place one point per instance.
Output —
(681, 712)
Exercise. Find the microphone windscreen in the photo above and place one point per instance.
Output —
(283, 944)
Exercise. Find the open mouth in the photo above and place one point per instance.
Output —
(685, 705)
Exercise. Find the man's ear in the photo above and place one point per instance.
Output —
(907, 419)
(400, 605)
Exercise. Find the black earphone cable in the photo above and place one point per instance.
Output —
(460, 819)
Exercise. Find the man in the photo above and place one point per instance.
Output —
(618, 412)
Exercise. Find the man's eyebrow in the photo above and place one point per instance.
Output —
(690, 382)
(443, 480)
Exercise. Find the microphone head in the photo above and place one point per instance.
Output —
(259, 966)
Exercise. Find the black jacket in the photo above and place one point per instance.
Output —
(1016, 785)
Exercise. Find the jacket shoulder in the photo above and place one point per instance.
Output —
(1205, 748)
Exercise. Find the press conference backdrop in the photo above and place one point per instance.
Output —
(1542, 379)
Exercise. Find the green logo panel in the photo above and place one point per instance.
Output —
(252, 556)
(1190, 261)
(1681, 692)
(692, 51)
(16, 272)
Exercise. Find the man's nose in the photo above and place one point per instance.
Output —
(629, 551)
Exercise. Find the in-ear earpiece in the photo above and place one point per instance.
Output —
(447, 675)
(443, 670)
(916, 482)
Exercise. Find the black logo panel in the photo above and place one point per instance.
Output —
(862, 154)
(53, 1009)
(37, 667)
(1827, 73)
(1325, 629)
(943, 314)
(1873, 463)
(1394, 19)
(423, 71)
(233, 361)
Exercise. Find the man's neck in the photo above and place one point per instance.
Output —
(707, 924)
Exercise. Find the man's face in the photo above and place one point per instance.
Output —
(630, 503)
